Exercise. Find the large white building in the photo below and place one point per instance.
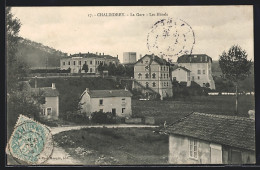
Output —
(197, 68)
(153, 74)
(118, 102)
(75, 62)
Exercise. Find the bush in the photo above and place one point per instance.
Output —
(103, 117)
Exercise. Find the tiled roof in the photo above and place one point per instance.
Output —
(194, 58)
(109, 93)
(157, 59)
(91, 55)
(176, 67)
(45, 91)
(226, 130)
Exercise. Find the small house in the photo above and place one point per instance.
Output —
(50, 109)
(118, 102)
(181, 74)
(212, 139)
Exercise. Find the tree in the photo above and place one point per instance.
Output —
(85, 67)
(12, 29)
(235, 66)
(18, 100)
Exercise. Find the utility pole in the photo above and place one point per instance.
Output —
(46, 64)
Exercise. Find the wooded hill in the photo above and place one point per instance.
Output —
(36, 54)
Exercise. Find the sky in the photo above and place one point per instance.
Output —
(81, 29)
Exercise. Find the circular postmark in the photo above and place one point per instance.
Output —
(31, 143)
(171, 38)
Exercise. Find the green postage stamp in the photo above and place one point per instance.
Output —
(30, 142)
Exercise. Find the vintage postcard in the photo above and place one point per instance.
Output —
(130, 85)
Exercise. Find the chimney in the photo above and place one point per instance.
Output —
(35, 82)
(87, 90)
(99, 53)
(153, 56)
(103, 53)
(200, 58)
(117, 56)
(96, 53)
(251, 114)
(53, 86)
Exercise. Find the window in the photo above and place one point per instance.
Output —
(90, 62)
(123, 110)
(63, 63)
(164, 68)
(139, 75)
(146, 75)
(146, 62)
(166, 75)
(154, 84)
(49, 111)
(192, 79)
(161, 68)
(74, 62)
(69, 63)
(123, 101)
(154, 75)
(147, 84)
(79, 62)
(167, 84)
(204, 72)
(101, 102)
(90, 70)
(193, 148)
(198, 77)
(164, 83)
(199, 72)
(163, 75)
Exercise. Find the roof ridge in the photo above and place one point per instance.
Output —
(223, 116)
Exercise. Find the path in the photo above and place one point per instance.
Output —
(56, 130)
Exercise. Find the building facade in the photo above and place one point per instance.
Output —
(129, 57)
(118, 102)
(75, 62)
(153, 73)
(181, 74)
(212, 139)
(50, 109)
(199, 66)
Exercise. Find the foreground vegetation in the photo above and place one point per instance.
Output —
(100, 146)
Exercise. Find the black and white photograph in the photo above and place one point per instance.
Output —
(130, 85)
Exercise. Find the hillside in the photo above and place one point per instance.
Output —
(36, 54)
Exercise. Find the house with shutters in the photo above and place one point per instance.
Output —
(202, 138)
(195, 67)
(152, 75)
(118, 102)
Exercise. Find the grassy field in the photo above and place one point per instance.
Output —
(122, 146)
(171, 111)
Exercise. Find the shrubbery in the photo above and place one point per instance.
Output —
(103, 117)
